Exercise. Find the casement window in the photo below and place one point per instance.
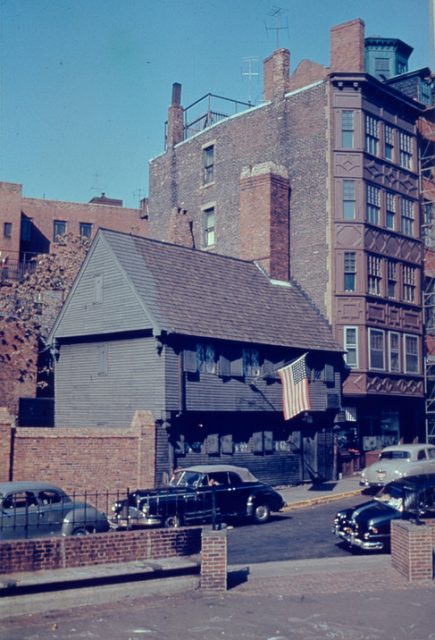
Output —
(85, 230)
(393, 352)
(350, 345)
(411, 348)
(251, 362)
(98, 289)
(349, 204)
(373, 204)
(347, 130)
(7, 230)
(376, 349)
(407, 217)
(209, 231)
(208, 164)
(390, 210)
(349, 271)
(405, 151)
(372, 135)
(374, 275)
(389, 142)
(59, 229)
(391, 279)
(205, 357)
(409, 283)
(382, 68)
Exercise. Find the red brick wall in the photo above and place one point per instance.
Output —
(412, 549)
(10, 211)
(100, 548)
(276, 74)
(80, 460)
(347, 47)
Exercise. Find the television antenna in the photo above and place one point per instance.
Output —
(249, 70)
(280, 22)
(95, 186)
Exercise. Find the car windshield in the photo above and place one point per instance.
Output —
(190, 479)
(395, 455)
(391, 495)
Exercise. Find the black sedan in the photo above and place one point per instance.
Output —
(368, 526)
(200, 494)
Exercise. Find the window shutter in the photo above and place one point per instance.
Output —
(237, 367)
(268, 441)
(213, 444)
(224, 366)
(227, 443)
(190, 364)
(257, 442)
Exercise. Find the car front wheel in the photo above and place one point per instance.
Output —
(82, 531)
(261, 513)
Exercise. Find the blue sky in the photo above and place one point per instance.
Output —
(85, 84)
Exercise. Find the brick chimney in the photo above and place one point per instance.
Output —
(175, 117)
(264, 218)
(276, 71)
(347, 47)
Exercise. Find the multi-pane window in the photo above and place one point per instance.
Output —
(377, 349)
(350, 343)
(407, 217)
(85, 230)
(408, 279)
(209, 230)
(373, 204)
(59, 229)
(347, 130)
(390, 210)
(251, 362)
(382, 68)
(389, 142)
(7, 230)
(349, 208)
(411, 354)
(372, 135)
(205, 357)
(391, 279)
(374, 272)
(394, 351)
(349, 270)
(208, 164)
(405, 149)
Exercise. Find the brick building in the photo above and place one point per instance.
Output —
(320, 183)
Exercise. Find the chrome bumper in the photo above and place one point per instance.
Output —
(353, 541)
(133, 523)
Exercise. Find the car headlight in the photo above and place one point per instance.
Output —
(373, 529)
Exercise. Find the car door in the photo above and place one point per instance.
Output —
(53, 506)
(19, 516)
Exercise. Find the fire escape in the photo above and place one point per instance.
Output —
(427, 191)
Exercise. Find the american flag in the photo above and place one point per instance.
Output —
(295, 395)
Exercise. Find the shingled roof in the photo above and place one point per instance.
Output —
(191, 292)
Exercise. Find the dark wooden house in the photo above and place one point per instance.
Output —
(196, 339)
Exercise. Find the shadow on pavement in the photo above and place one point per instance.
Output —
(238, 577)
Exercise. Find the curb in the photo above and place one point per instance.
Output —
(300, 504)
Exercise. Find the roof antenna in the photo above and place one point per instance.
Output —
(250, 63)
(280, 22)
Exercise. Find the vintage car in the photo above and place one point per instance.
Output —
(368, 525)
(399, 461)
(199, 494)
(38, 509)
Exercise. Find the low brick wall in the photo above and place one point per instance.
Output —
(412, 548)
(100, 548)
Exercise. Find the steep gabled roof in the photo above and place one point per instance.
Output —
(196, 293)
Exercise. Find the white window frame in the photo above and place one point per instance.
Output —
(396, 351)
(350, 346)
(208, 168)
(381, 332)
(208, 232)
(347, 129)
(406, 337)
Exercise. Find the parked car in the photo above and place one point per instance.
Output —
(399, 461)
(199, 494)
(37, 509)
(368, 525)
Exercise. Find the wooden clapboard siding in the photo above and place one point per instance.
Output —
(120, 308)
(87, 397)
